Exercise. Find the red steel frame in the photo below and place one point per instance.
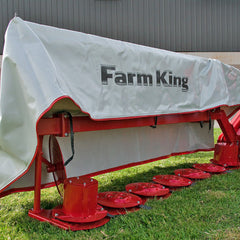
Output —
(60, 126)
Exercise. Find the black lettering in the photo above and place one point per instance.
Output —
(105, 74)
(130, 78)
(177, 81)
(184, 84)
(170, 82)
(161, 79)
(164, 78)
(144, 79)
(120, 78)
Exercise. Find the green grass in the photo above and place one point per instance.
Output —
(207, 210)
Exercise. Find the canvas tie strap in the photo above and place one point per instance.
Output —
(155, 122)
(210, 122)
(72, 139)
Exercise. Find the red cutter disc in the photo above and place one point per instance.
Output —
(59, 213)
(210, 167)
(192, 173)
(172, 180)
(123, 211)
(118, 199)
(147, 189)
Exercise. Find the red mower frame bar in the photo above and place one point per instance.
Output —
(60, 126)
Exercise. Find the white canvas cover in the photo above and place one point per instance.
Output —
(107, 79)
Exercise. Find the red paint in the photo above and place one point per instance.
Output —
(172, 180)
(235, 122)
(226, 154)
(80, 197)
(38, 172)
(209, 167)
(46, 216)
(79, 211)
(147, 189)
(98, 214)
(60, 125)
(192, 173)
(116, 199)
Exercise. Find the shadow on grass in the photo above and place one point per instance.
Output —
(118, 181)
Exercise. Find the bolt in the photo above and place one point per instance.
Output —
(102, 209)
(179, 174)
(163, 187)
(56, 215)
(138, 202)
(130, 190)
(66, 134)
(65, 116)
(70, 181)
(91, 180)
(84, 184)
(189, 182)
(77, 177)
(154, 178)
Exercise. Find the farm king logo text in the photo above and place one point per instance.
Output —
(160, 79)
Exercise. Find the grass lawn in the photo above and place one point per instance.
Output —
(207, 210)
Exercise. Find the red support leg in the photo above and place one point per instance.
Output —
(38, 173)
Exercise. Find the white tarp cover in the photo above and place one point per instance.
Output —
(108, 79)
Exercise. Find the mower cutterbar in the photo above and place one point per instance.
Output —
(226, 152)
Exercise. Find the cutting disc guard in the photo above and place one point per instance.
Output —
(147, 189)
(172, 181)
(47, 216)
(116, 199)
(192, 173)
(56, 158)
(210, 167)
(59, 213)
